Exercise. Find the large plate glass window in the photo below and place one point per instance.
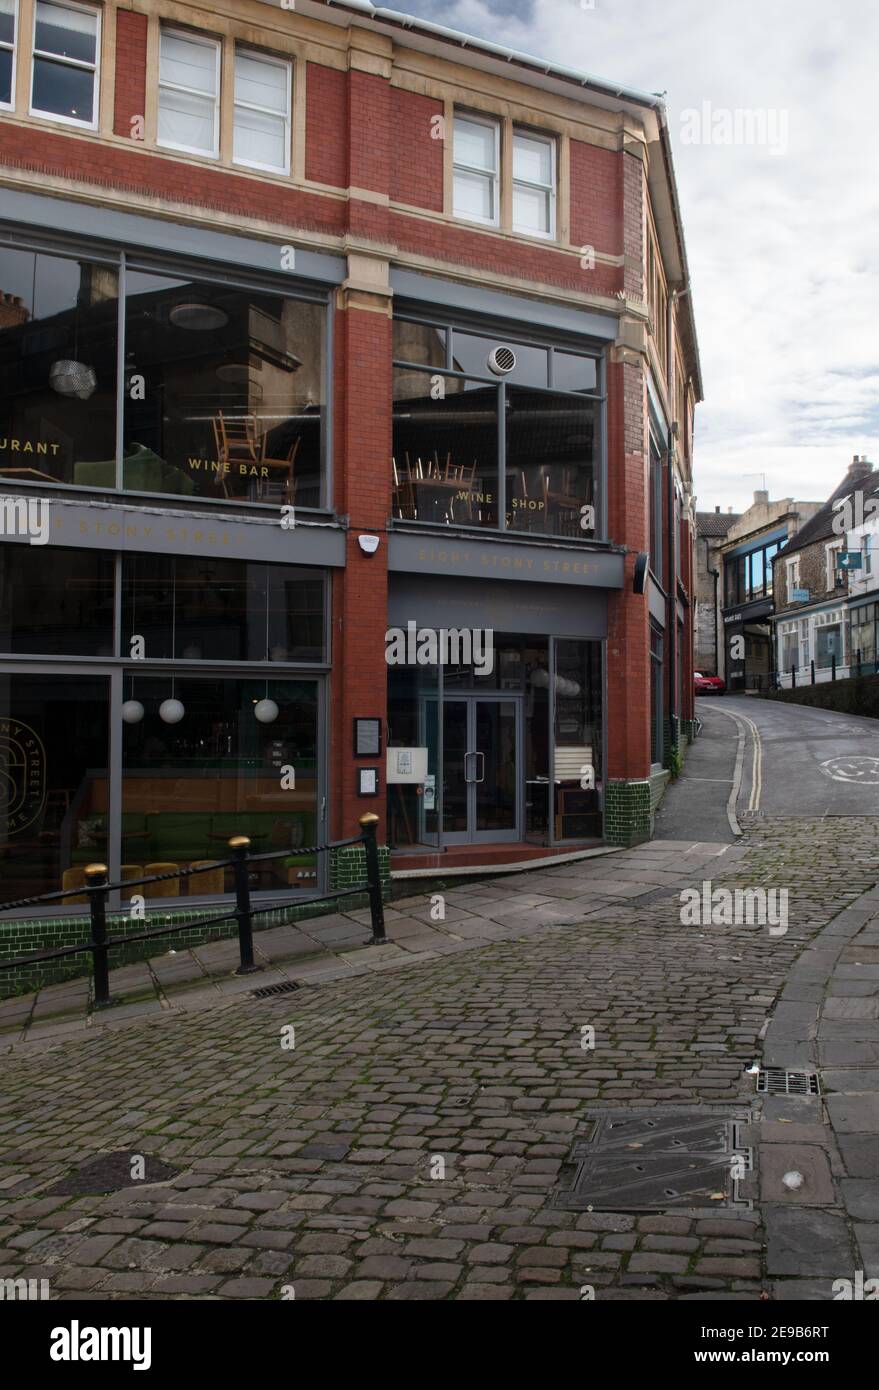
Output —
(55, 602)
(58, 336)
(208, 757)
(8, 25)
(224, 392)
(189, 87)
(534, 184)
(577, 776)
(657, 739)
(54, 786)
(550, 458)
(262, 112)
(65, 66)
(495, 433)
(477, 150)
(445, 442)
(208, 609)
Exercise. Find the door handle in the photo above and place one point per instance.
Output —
(467, 779)
(481, 779)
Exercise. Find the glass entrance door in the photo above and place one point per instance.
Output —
(481, 761)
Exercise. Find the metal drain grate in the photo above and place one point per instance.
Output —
(656, 1160)
(269, 991)
(776, 1081)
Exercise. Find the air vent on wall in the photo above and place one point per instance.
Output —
(501, 361)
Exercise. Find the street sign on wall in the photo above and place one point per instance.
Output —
(801, 595)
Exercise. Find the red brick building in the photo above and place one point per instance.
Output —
(324, 332)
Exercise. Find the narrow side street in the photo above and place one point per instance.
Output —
(315, 1166)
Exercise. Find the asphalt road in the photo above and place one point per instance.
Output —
(794, 760)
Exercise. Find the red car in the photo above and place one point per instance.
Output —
(708, 685)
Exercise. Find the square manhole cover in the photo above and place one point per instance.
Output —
(655, 1160)
(111, 1171)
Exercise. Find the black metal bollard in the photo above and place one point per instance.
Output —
(812, 663)
(859, 661)
(793, 678)
(833, 666)
(368, 824)
(239, 845)
(96, 884)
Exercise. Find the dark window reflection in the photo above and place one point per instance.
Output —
(192, 609)
(240, 758)
(449, 445)
(56, 601)
(53, 782)
(5, 75)
(61, 90)
(577, 740)
(225, 393)
(445, 460)
(58, 331)
(550, 462)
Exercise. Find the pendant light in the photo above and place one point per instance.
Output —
(265, 710)
(172, 711)
(68, 376)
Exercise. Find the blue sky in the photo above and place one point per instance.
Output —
(783, 242)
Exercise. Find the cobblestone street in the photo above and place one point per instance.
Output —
(314, 1168)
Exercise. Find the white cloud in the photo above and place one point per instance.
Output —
(783, 247)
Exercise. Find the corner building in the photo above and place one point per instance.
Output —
(315, 324)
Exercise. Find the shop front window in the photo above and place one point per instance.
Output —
(63, 607)
(494, 434)
(413, 756)
(445, 460)
(539, 788)
(53, 781)
(192, 609)
(550, 450)
(828, 644)
(224, 387)
(863, 634)
(789, 649)
(58, 335)
(578, 730)
(224, 392)
(657, 714)
(655, 510)
(205, 758)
